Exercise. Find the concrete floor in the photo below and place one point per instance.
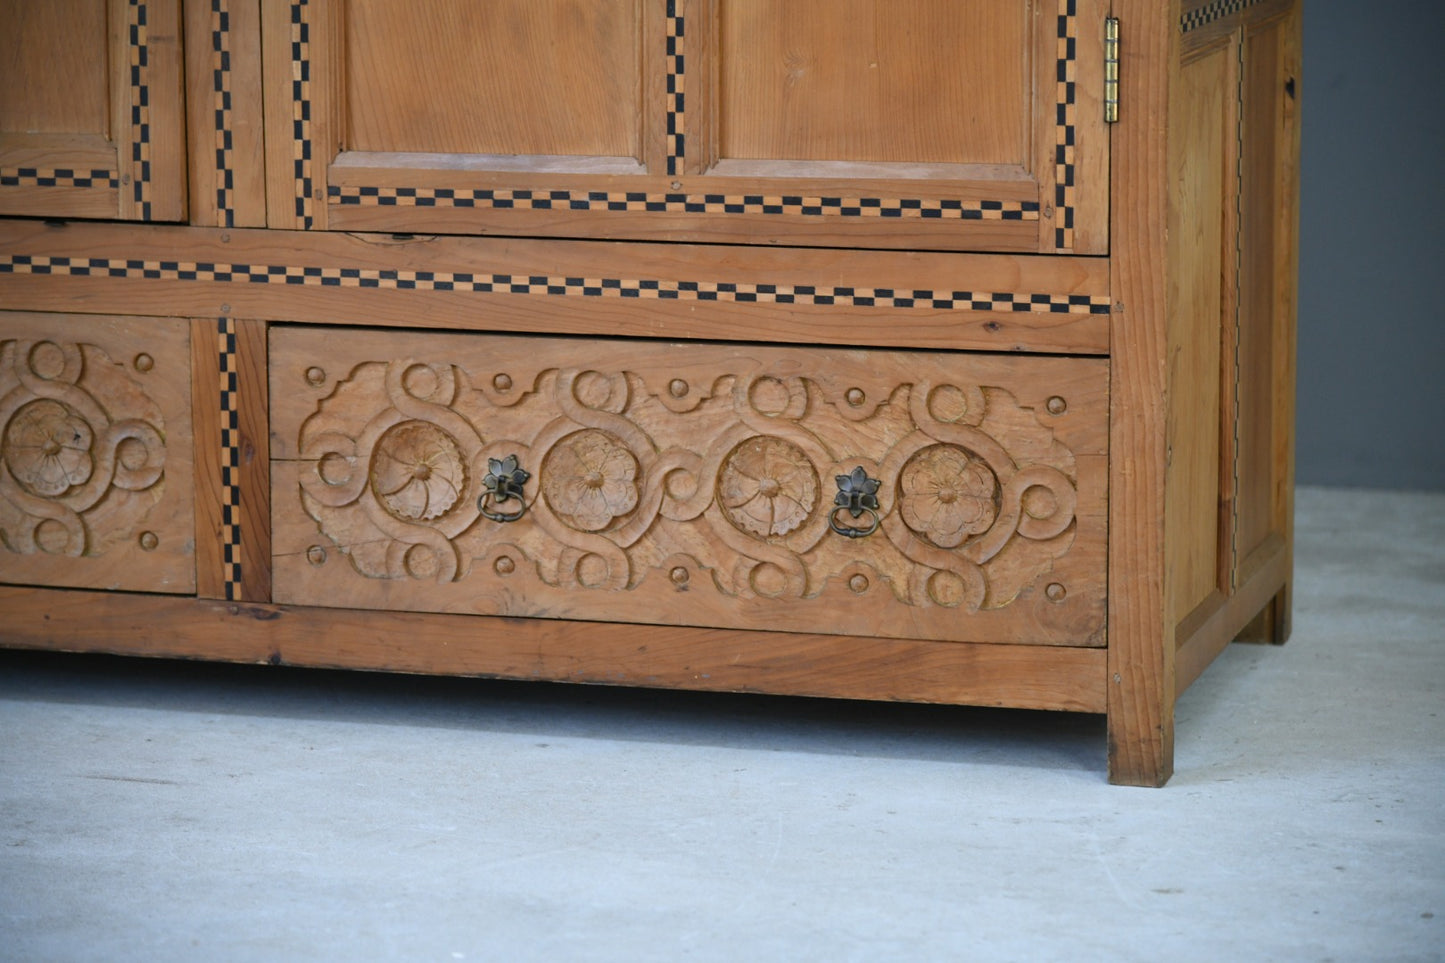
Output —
(165, 811)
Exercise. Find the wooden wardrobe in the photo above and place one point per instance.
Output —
(924, 350)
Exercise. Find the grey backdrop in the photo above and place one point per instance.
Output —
(1372, 262)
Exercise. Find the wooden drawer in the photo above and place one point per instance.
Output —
(691, 484)
(96, 480)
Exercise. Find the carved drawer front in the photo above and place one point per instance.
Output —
(880, 493)
(96, 477)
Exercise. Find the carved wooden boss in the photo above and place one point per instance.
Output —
(921, 350)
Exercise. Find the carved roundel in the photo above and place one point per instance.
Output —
(948, 494)
(767, 486)
(47, 448)
(417, 471)
(589, 478)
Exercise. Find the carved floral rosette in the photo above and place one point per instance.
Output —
(726, 484)
(82, 449)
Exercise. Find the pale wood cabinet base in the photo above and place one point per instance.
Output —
(735, 365)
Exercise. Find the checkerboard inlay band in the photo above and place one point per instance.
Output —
(301, 112)
(641, 201)
(57, 177)
(1210, 12)
(140, 109)
(1065, 119)
(221, 91)
(676, 99)
(230, 460)
(559, 285)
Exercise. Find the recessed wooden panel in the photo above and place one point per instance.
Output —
(500, 77)
(903, 81)
(1201, 235)
(693, 485)
(1260, 282)
(91, 116)
(927, 124)
(95, 453)
(51, 80)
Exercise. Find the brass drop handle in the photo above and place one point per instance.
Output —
(858, 496)
(503, 482)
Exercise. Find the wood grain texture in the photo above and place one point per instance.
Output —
(829, 80)
(1141, 642)
(151, 107)
(233, 524)
(91, 118)
(1286, 261)
(225, 125)
(1206, 22)
(1202, 309)
(301, 54)
(1269, 248)
(206, 416)
(506, 77)
(1213, 625)
(287, 284)
(53, 81)
(1042, 677)
(379, 120)
(95, 452)
(692, 484)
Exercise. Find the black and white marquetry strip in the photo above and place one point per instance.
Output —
(230, 460)
(560, 285)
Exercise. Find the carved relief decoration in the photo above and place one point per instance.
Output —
(82, 449)
(714, 482)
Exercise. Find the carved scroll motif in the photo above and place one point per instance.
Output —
(82, 449)
(715, 485)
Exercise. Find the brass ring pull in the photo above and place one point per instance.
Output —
(848, 531)
(503, 482)
(857, 495)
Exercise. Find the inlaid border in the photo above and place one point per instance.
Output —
(57, 177)
(642, 201)
(230, 459)
(560, 285)
(788, 205)
(223, 105)
(1064, 124)
(301, 112)
(140, 108)
(676, 81)
(1210, 12)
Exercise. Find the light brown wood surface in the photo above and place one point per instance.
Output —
(759, 244)
(788, 123)
(1141, 645)
(91, 110)
(225, 125)
(1202, 308)
(432, 76)
(233, 471)
(288, 284)
(95, 452)
(1037, 677)
(53, 81)
(847, 80)
(692, 484)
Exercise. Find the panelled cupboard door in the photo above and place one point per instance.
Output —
(91, 115)
(945, 124)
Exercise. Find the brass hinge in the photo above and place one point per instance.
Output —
(1111, 70)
